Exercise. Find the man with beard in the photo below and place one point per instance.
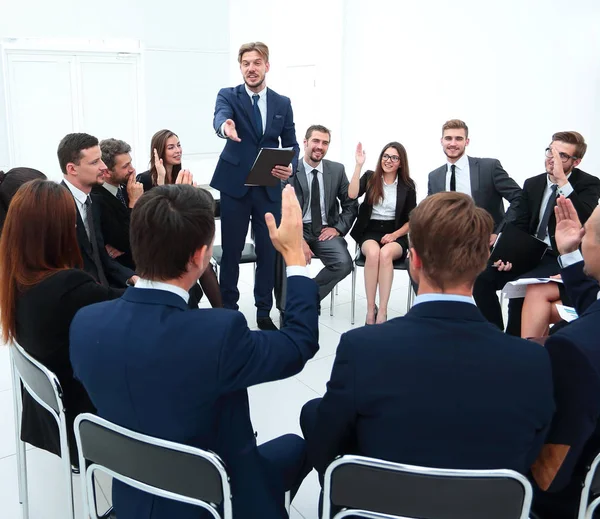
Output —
(320, 186)
(483, 179)
(535, 216)
(250, 116)
(116, 196)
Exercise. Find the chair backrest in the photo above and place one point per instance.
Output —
(39, 381)
(160, 467)
(397, 490)
(591, 486)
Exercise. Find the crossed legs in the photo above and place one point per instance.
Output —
(539, 310)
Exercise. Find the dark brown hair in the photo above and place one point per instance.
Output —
(572, 138)
(258, 46)
(71, 146)
(455, 124)
(10, 182)
(375, 183)
(317, 128)
(451, 236)
(159, 143)
(38, 240)
(168, 225)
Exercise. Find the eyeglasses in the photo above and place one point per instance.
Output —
(393, 158)
(563, 156)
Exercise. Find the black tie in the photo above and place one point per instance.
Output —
(257, 116)
(543, 228)
(315, 204)
(453, 178)
(120, 196)
(92, 235)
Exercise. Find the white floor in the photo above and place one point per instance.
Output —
(275, 406)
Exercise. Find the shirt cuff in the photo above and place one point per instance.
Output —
(566, 190)
(221, 131)
(297, 270)
(566, 260)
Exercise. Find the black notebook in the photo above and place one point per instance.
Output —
(520, 248)
(266, 160)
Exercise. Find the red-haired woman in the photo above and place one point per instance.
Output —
(41, 289)
(381, 229)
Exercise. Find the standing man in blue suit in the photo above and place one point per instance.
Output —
(182, 374)
(439, 387)
(251, 116)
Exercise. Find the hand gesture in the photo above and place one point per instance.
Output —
(388, 238)
(569, 232)
(185, 177)
(282, 172)
(134, 190)
(503, 267)
(360, 155)
(287, 238)
(308, 254)
(112, 252)
(328, 233)
(557, 170)
(160, 169)
(230, 131)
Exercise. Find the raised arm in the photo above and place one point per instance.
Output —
(354, 186)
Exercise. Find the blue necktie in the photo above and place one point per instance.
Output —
(120, 196)
(257, 116)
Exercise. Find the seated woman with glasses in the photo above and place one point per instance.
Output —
(41, 290)
(381, 229)
(165, 167)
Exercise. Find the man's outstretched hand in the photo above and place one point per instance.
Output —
(287, 238)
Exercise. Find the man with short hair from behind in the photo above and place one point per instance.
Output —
(439, 387)
(116, 197)
(182, 374)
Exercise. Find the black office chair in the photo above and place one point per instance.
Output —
(377, 489)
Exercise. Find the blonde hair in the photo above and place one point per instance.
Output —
(258, 46)
(455, 124)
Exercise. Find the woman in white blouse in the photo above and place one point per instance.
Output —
(381, 228)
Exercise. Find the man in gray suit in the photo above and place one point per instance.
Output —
(322, 188)
(483, 179)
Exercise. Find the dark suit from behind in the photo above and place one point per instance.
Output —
(116, 274)
(43, 316)
(182, 375)
(439, 387)
(585, 195)
(490, 184)
(114, 222)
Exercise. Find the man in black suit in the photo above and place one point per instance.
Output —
(115, 198)
(483, 179)
(80, 160)
(535, 216)
(487, 400)
(574, 437)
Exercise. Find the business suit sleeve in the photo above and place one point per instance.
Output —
(508, 189)
(250, 357)
(288, 136)
(362, 186)
(114, 228)
(223, 111)
(334, 429)
(429, 189)
(349, 205)
(116, 273)
(585, 197)
(582, 290)
(576, 386)
(522, 213)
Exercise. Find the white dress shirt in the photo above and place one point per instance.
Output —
(262, 106)
(430, 298)
(566, 190)
(80, 199)
(111, 189)
(462, 175)
(307, 218)
(385, 209)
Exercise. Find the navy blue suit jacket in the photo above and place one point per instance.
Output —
(582, 289)
(439, 387)
(237, 158)
(152, 365)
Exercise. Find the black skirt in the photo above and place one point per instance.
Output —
(377, 229)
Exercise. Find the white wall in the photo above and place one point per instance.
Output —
(515, 71)
(185, 56)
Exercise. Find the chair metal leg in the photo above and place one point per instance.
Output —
(353, 303)
(288, 502)
(66, 462)
(337, 290)
(332, 302)
(21, 447)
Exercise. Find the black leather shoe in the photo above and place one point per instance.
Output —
(266, 324)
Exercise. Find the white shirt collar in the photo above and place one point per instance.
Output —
(394, 183)
(550, 184)
(461, 163)
(455, 298)
(262, 93)
(159, 285)
(308, 168)
(79, 195)
(110, 188)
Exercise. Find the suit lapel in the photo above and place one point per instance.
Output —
(327, 185)
(439, 178)
(301, 177)
(82, 236)
(474, 178)
(400, 199)
(270, 110)
(246, 102)
(536, 197)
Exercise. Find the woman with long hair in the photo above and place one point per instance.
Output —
(10, 182)
(41, 289)
(381, 229)
(165, 167)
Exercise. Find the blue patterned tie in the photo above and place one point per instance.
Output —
(257, 116)
(120, 196)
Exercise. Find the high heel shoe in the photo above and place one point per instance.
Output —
(374, 318)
